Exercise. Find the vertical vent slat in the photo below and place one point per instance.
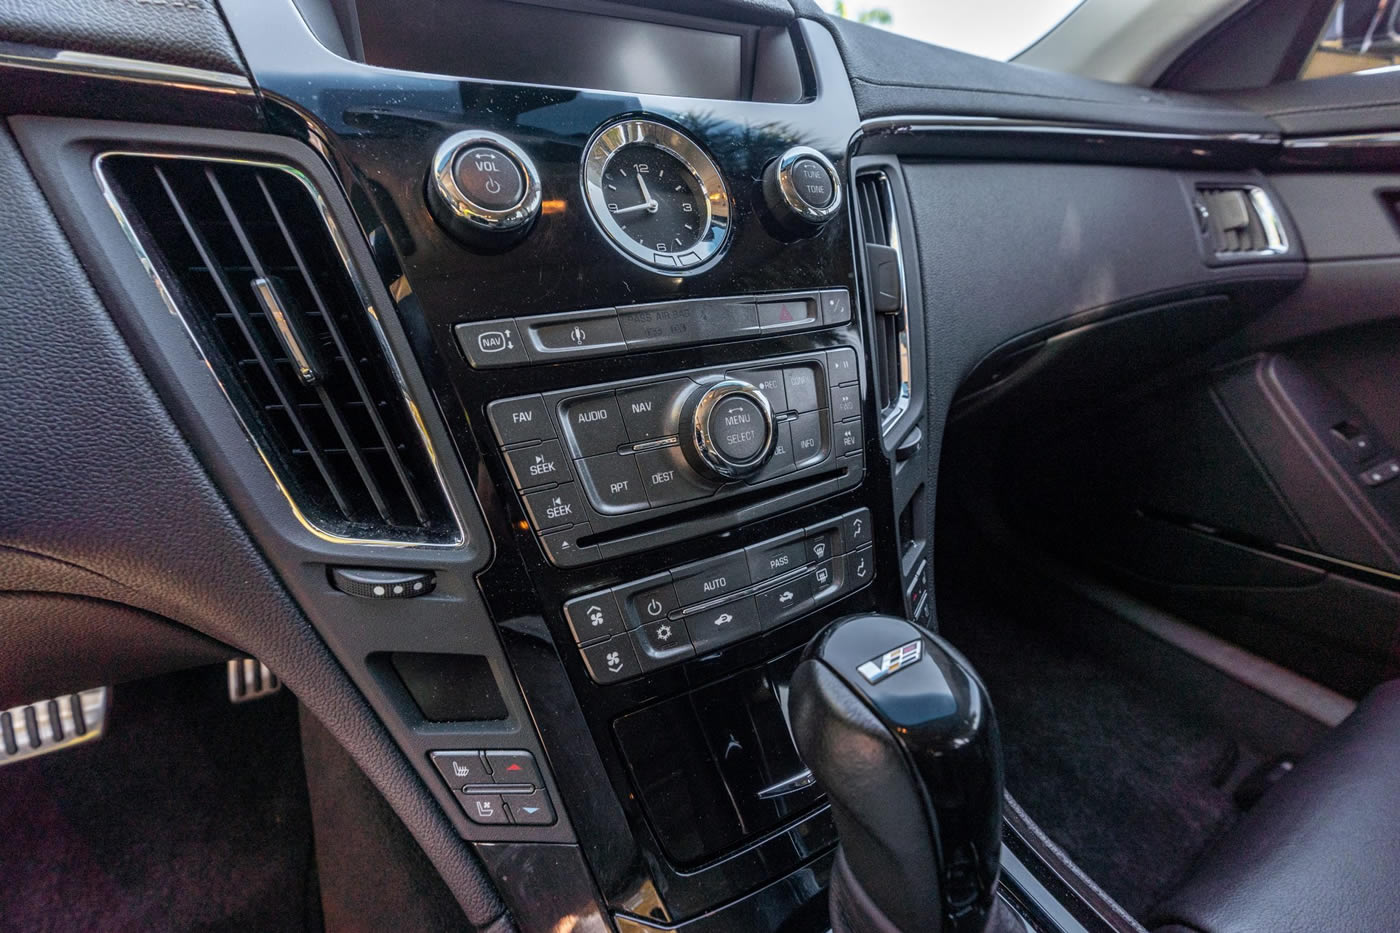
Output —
(263, 358)
(351, 448)
(876, 214)
(246, 255)
(351, 364)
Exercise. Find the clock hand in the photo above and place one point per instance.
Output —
(651, 204)
(645, 205)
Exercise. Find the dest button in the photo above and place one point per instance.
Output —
(668, 479)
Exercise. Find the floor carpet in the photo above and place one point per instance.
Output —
(1125, 783)
(189, 814)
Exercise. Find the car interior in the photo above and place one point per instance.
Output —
(717, 466)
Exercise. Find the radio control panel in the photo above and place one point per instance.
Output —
(591, 462)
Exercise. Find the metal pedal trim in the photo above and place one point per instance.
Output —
(52, 725)
(249, 679)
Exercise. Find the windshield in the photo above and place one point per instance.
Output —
(1000, 29)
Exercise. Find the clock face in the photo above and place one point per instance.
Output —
(655, 199)
(656, 195)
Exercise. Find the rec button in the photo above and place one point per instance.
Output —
(489, 178)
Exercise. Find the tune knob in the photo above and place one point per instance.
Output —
(802, 189)
(727, 430)
(483, 189)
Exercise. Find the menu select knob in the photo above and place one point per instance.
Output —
(483, 189)
(802, 188)
(727, 430)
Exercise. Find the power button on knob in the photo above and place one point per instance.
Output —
(489, 178)
(483, 189)
(727, 430)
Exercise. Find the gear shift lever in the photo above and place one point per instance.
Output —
(899, 732)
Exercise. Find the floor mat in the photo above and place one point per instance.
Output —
(1123, 782)
(189, 814)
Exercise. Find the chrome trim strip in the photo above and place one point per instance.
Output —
(366, 301)
(1274, 231)
(1352, 141)
(297, 349)
(112, 67)
(913, 125)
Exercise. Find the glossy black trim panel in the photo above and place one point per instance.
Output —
(1352, 152)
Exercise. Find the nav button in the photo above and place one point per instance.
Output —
(491, 343)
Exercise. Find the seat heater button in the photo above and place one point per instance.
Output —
(542, 465)
(612, 660)
(779, 555)
(650, 412)
(594, 425)
(613, 483)
(555, 508)
(841, 366)
(661, 643)
(723, 624)
(459, 769)
(512, 767)
(594, 616)
(801, 383)
(668, 479)
(711, 579)
(518, 420)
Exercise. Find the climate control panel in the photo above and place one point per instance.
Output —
(592, 462)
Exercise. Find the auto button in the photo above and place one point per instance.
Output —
(711, 579)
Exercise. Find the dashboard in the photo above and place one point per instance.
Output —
(569, 394)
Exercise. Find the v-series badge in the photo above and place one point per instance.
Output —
(877, 669)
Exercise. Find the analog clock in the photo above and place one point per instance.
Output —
(656, 195)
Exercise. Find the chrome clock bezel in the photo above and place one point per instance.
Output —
(714, 193)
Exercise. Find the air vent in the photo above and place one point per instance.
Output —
(1240, 221)
(247, 258)
(885, 277)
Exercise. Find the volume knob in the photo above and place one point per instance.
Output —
(483, 189)
(727, 430)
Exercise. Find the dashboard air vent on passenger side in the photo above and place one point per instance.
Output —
(879, 229)
(248, 256)
(1240, 221)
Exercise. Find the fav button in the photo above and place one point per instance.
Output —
(518, 420)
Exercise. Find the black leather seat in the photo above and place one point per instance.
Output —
(1320, 851)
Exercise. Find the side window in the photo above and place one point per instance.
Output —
(1359, 36)
(999, 29)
